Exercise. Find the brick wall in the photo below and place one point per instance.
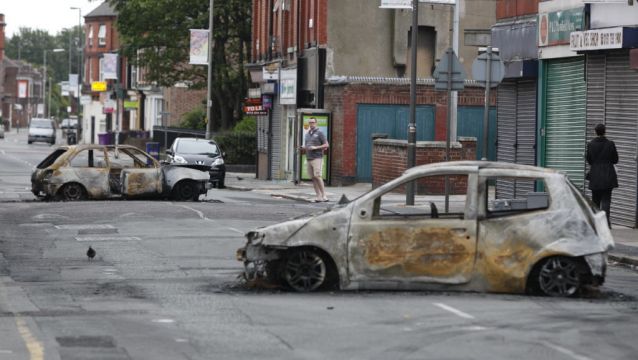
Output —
(513, 8)
(342, 101)
(389, 161)
(180, 101)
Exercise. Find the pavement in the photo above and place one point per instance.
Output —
(625, 251)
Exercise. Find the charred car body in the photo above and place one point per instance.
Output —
(200, 154)
(501, 228)
(100, 172)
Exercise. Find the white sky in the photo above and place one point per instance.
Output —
(48, 15)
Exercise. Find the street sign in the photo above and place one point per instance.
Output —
(497, 69)
(449, 65)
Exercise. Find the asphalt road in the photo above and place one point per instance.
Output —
(164, 286)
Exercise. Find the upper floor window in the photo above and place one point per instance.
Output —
(90, 36)
(101, 35)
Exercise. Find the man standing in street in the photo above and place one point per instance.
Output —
(602, 156)
(315, 144)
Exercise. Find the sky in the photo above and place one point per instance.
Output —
(48, 15)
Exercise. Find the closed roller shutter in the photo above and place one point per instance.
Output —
(276, 170)
(565, 118)
(621, 113)
(526, 131)
(506, 133)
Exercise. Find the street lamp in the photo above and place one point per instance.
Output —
(80, 63)
(44, 82)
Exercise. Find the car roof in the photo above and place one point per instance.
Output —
(193, 139)
(482, 164)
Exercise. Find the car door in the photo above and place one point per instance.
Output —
(88, 168)
(139, 175)
(390, 240)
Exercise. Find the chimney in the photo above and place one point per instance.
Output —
(2, 24)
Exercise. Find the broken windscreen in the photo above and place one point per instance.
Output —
(51, 158)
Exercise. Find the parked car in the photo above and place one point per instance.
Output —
(41, 129)
(199, 154)
(80, 172)
(1, 130)
(501, 228)
(69, 124)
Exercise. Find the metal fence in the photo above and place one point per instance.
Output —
(166, 135)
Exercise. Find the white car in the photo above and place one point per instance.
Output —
(41, 129)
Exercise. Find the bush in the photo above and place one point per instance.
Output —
(240, 147)
(247, 124)
(194, 119)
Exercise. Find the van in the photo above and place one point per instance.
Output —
(41, 129)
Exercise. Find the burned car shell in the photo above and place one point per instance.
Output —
(103, 179)
(475, 253)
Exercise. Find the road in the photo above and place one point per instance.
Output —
(164, 285)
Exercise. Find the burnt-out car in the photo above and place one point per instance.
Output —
(80, 172)
(501, 228)
(200, 154)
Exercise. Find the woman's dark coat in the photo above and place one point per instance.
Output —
(601, 156)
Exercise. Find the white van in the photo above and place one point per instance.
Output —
(41, 129)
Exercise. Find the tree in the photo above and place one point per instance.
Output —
(155, 35)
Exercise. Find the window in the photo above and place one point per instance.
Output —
(90, 40)
(89, 158)
(101, 35)
(429, 202)
(501, 202)
(101, 69)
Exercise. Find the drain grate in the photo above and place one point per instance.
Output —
(86, 341)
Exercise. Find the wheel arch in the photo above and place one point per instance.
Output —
(333, 271)
(531, 285)
(58, 192)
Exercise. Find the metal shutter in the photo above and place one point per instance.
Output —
(565, 118)
(595, 97)
(526, 131)
(506, 133)
(621, 113)
(276, 170)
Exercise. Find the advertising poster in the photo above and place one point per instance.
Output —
(323, 124)
(23, 86)
(109, 66)
(199, 47)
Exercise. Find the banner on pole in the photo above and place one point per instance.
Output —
(199, 47)
(109, 66)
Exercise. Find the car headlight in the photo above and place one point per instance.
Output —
(180, 160)
(217, 162)
(255, 237)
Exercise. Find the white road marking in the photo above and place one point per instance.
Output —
(181, 340)
(199, 213)
(454, 311)
(6, 351)
(164, 321)
(84, 226)
(235, 230)
(565, 351)
(107, 238)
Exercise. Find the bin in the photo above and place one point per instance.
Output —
(103, 139)
(71, 138)
(153, 148)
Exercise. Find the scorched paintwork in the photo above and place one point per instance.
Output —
(102, 172)
(478, 249)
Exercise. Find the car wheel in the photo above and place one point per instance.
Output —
(559, 276)
(73, 192)
(185, 191)
(305, 270)
(29, 142)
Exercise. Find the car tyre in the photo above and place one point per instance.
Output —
(305, 270)
(185, 191)
(558, 276)
(73, 192)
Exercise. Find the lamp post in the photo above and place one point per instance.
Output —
(44, 82)
(80, 63)
(209, 96)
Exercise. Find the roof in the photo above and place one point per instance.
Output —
(103, 10)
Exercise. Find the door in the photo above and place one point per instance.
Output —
(133, 173)
(390, 241)
(389, 121)
(89, 168)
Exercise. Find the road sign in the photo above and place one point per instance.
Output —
(497, 69)
(449, 66)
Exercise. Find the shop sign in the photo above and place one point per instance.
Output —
(98, 86)
(266, 102)
(288, 87)
(554, 28)
(85, 99)
(407, 4)
(598, 39)
(255, 110)
(109, 107)
(254, 93)
(271, 71)
(130, 105)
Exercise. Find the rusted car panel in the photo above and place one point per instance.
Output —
(477, 248)
(101, 172)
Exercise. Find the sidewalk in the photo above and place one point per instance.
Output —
(625, 252)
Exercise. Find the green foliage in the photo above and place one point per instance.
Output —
(155, 34)
(240, 147)
(194, 119)
(248, 125)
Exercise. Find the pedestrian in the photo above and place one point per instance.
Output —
(601, 157)
(315, 144)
